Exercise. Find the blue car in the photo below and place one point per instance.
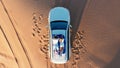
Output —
(59, 26)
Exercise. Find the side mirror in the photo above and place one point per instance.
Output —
(70, 26)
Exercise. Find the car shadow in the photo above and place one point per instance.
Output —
(76, 8)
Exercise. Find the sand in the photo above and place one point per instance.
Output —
(24, 33)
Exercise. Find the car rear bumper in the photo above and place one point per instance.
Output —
(58, 61)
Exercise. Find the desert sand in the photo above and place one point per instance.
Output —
(24, 34)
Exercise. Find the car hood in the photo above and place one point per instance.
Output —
(59, 13)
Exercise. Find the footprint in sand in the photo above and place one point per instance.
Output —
(40, 41)
(40, 17)
(44, 47)
(2, 65)
(34, 18)
(78, 47)
(36, 27)
(33, 34)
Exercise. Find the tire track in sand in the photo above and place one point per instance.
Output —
(9, 47)
(17, 35)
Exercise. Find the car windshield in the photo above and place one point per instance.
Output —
(58, 25)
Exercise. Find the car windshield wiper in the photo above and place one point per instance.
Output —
(59, 21)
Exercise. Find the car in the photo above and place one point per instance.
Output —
(59, 35)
